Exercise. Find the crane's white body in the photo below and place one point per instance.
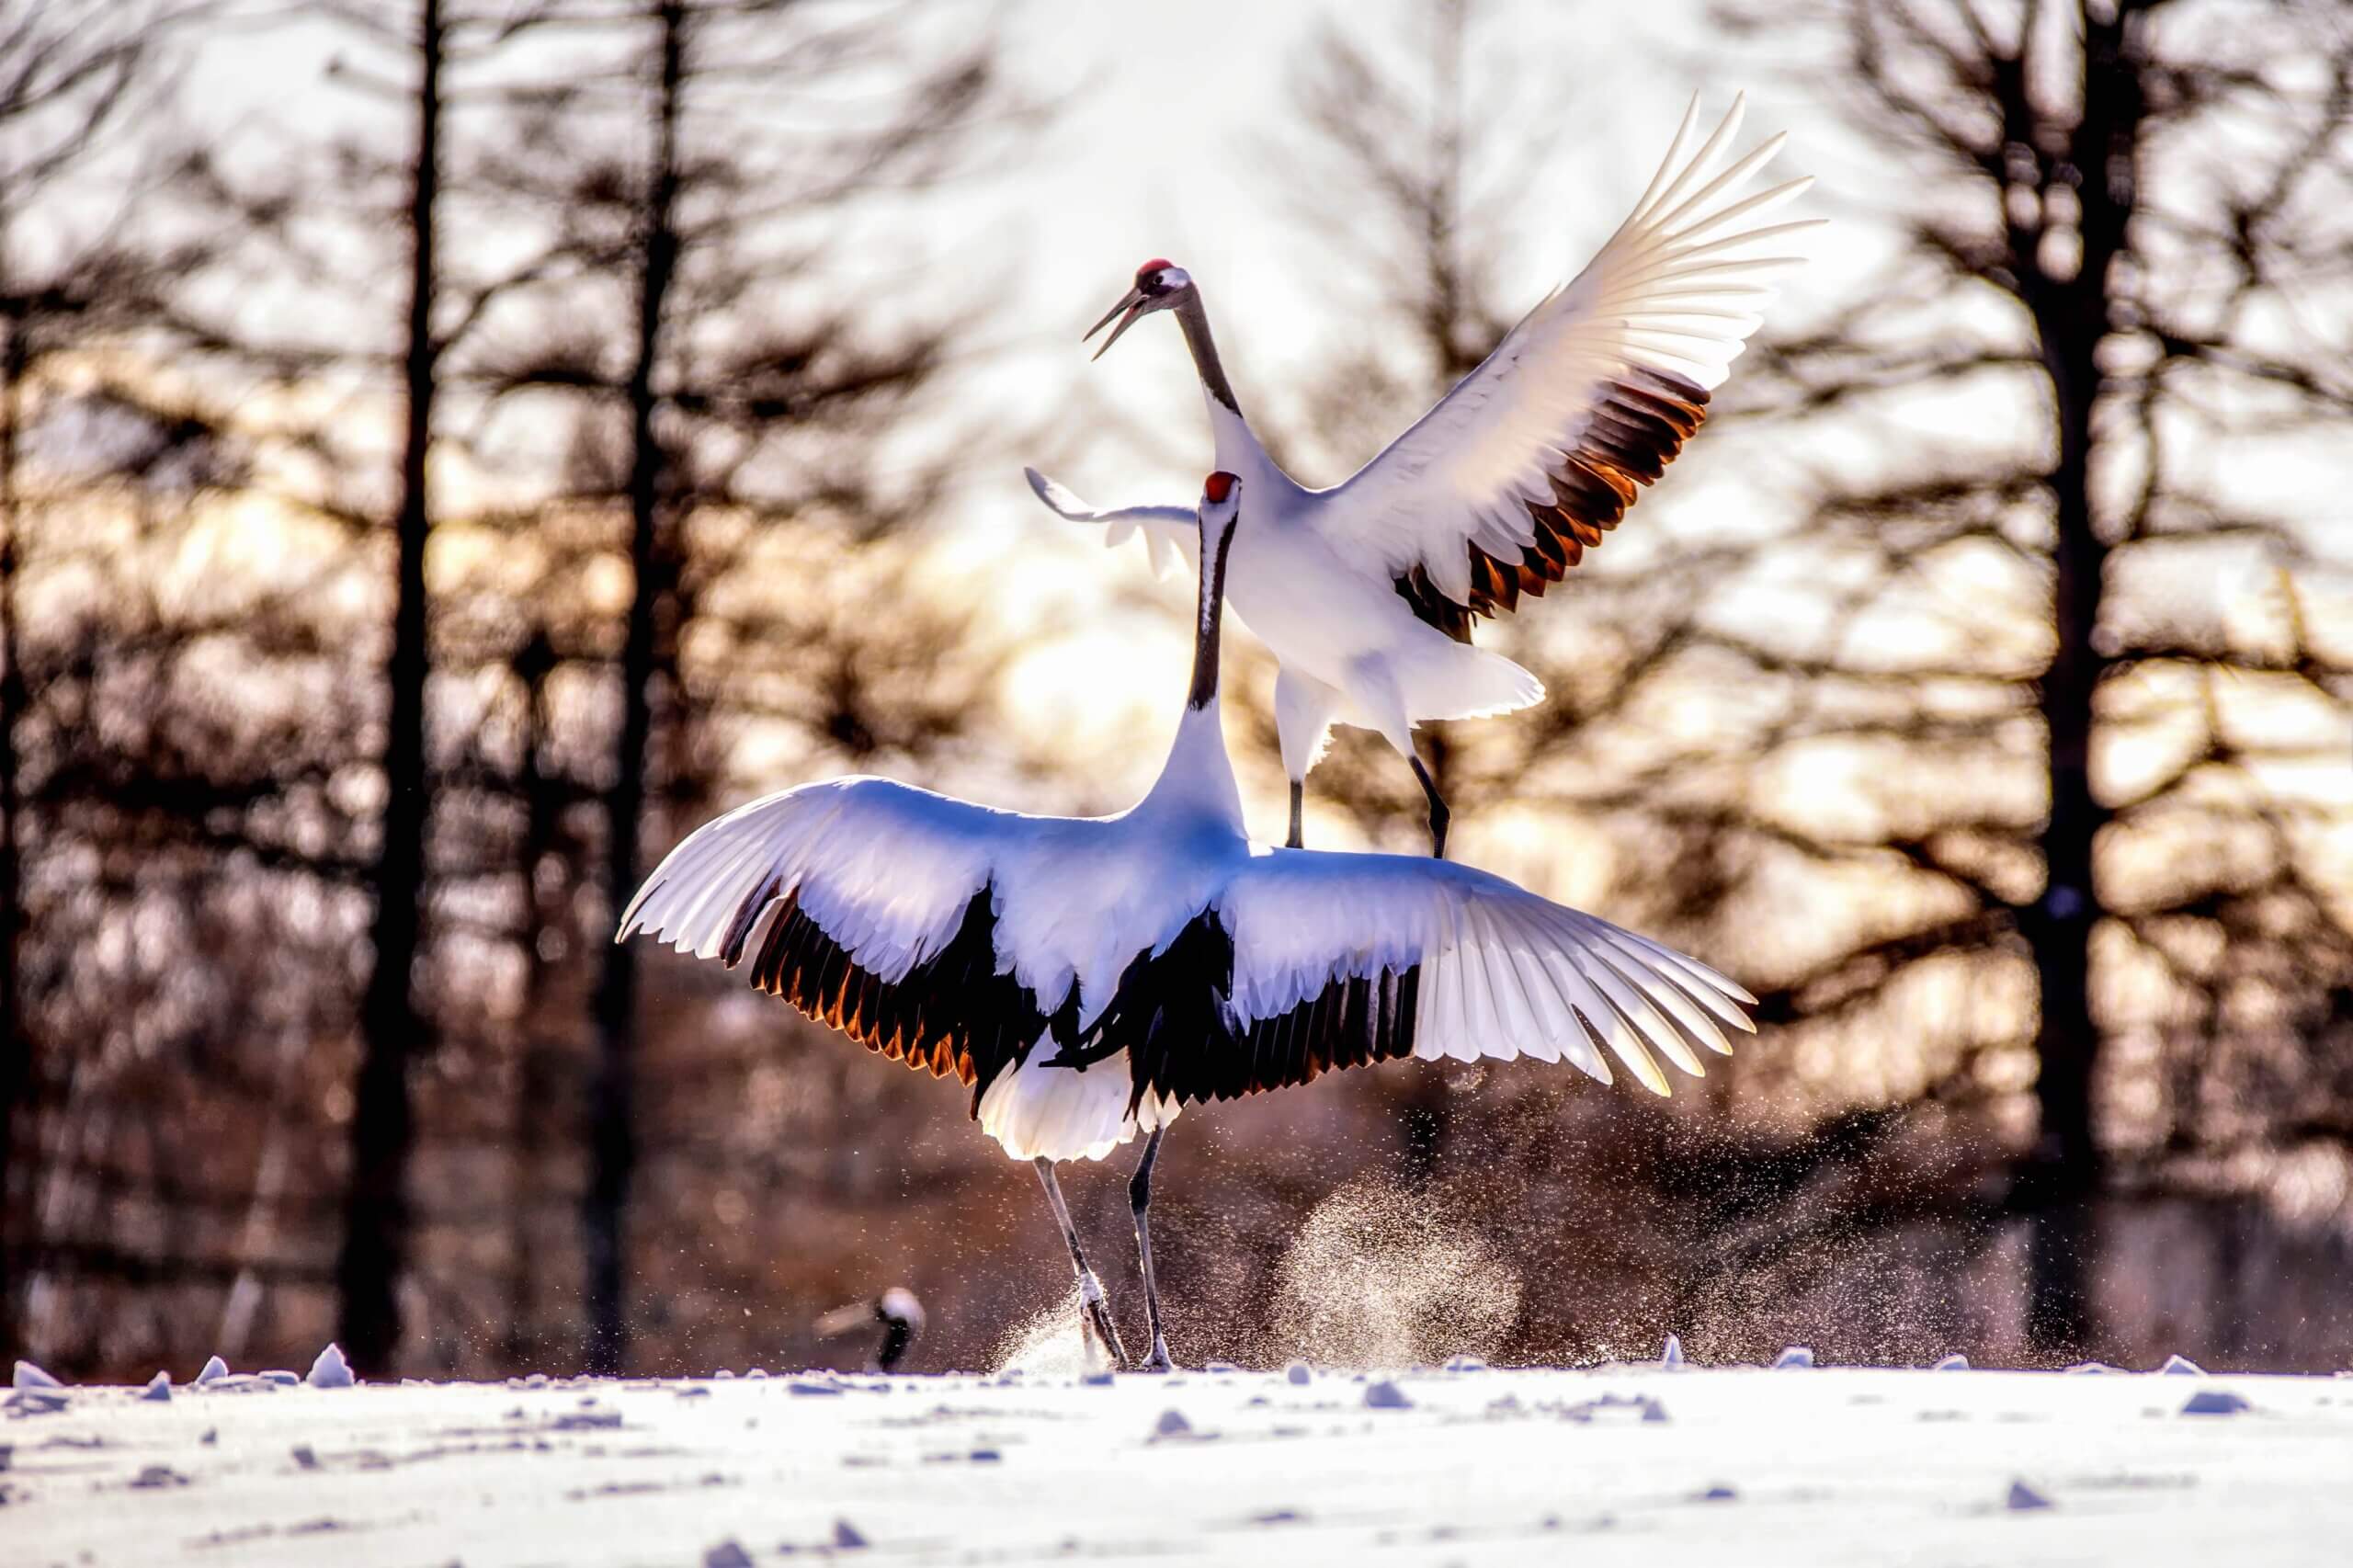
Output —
(1095, 923)
(1659, 312)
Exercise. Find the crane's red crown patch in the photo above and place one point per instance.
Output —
(1220, 486)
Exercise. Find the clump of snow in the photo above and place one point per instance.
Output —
(2181, 1367)
(331, 1370)
(846, 1536)
(1613, 1406)
(1298, 1374)
(243, 1382)
(1720, 1493)
(1672, 1355)
(1384, 1394)
(1172, 1424)
(1379, 1276)
(809, 1386)
(1795, 1356)
(2215, 1402)
(2090, 1369)
(727, 1554)
(281, 1378)
(1465, 1364)
(158, 1389)
(586, 1421)
(1953, 1363)
(214, 1371)
(2024, 1498)
(29, 1376)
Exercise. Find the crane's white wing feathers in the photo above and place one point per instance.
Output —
(1502, 972)
(886, 869)
(1540, 448)
(1166, 530)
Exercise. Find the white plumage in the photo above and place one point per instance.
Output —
(1365, 592)
(887, 872)
(1090, 977)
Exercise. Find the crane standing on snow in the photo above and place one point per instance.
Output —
(1366, 591)
(1089, 977)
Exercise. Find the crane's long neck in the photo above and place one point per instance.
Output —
(1195, 319)
(1210, 622)
(1199, 775)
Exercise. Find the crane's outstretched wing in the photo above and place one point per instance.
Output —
(1167, 530)
(1339, 960)
(1501, 487)
(864, 904)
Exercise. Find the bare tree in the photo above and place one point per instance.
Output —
(2073, 255)
(440, 306)
(74, 76)
(701, 431)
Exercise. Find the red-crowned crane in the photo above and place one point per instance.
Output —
(1367, 592)
(1090, 977)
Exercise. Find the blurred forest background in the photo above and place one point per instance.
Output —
(427, 495)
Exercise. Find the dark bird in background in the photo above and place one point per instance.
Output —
(898, 1314)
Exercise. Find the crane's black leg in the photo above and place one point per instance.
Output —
(1090, 1289)
(1439, 815)
(1296, 841)
(1140, 1199)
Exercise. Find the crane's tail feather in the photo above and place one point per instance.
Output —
(1471, 683)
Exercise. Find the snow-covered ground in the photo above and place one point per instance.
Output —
(1644, 1464)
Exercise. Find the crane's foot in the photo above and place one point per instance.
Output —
(1097, 1320)
(1158, 1360)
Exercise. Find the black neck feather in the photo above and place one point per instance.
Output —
(1196, 323)
(1205, 637)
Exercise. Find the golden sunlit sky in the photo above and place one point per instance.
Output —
(1166, 137)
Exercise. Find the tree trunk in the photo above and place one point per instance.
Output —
(2071, 317)
(613, 1147)
(17, 1079)
(376, 1212)
(546, 912)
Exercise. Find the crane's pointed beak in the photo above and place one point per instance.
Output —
(842, 1320)
(1136, 306)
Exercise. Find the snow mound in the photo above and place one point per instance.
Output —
(331, 1370)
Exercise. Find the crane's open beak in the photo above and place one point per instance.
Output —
(1137, 305)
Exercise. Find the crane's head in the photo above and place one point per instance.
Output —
(1221, 503)
(1159, 284)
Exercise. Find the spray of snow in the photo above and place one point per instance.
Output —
(1047, 1342)
(1382, 1276)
